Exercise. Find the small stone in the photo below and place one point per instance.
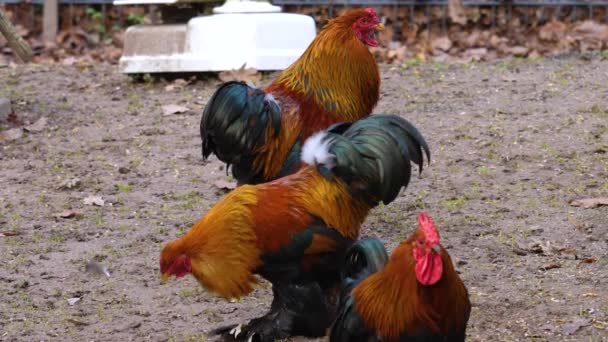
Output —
(5, 109)
(22, 284)
(72, 301)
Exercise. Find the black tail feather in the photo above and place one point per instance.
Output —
(374, 155)
(234, 125)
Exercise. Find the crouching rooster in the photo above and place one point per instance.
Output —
(416, 296)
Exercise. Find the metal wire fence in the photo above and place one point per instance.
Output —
(63, 2)
(576, 8)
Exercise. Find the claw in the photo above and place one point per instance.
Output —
(250, 339)
(236, 331)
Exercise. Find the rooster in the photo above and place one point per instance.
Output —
(259, 132)
(294, 230)
(417, 296)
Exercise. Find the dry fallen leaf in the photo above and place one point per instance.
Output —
(94, 200)
(574, 326)
(97, 268)
(242, 74)
(178, 84)
(133, 325)
(578, 225)
(518, 51)
(550, 266)
(396, 52)
(9, 233)
(592, 29)
(442, 43)
(73, 301)
(70, 183)
(76, 322)
(552, 31)
(68, 213)
(456, 12)
(225, 185)
(171, 109)
(69, 61)
(590, 294)
(508, 78)
(589, 203)
(11, 134)
(37, 126)
(535, 247)
(476, 54)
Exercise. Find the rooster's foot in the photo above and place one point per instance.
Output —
(263, 329)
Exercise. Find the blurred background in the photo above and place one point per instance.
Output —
(67, 31)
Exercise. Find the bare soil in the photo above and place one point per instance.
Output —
(513, 142)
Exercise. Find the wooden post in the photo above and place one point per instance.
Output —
(50, 20)
(19, 46)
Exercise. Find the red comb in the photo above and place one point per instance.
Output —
(371, 11)
(428, 228)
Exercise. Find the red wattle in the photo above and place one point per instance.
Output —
(429, 268)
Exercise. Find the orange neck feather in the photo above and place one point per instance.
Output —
(336, 74)
(328, 200)
(287, 205)
(439, 308)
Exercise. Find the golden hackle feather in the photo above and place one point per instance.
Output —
(336, 71)
(329, 200)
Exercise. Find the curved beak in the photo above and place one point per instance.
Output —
(436, 248)
(379, 27)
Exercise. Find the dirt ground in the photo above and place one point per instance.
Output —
(513, 142)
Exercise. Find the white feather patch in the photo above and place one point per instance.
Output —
(316, 150)
(271, 98)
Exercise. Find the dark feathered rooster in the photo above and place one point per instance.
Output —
(417, 296)
(259, 132)
(294, 231)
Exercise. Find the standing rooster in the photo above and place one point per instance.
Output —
(417, 296)
(294, 231)
(260, 131)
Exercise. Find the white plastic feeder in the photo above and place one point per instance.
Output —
(245, 6)
(252, 32)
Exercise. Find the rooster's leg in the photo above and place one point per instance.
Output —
(296, 309)
(306, 305)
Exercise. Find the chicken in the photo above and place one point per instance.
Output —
(416, 296)
(294, 231)
(260, 132)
